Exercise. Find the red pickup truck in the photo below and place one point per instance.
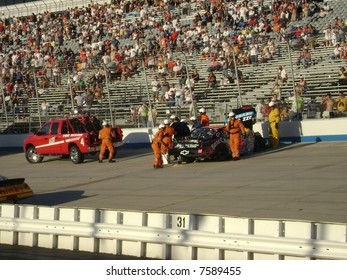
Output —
(73, 136)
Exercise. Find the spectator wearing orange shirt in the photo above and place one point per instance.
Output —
(163, 43)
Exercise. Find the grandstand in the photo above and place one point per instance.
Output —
(120, 96)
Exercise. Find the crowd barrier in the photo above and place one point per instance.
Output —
(38, 7)
(305, 131)
(170, 235)
(179, 235)
(316, 130)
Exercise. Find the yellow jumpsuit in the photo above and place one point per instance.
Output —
(274, 129)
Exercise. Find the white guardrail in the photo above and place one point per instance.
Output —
(170, 235)
(38, 7)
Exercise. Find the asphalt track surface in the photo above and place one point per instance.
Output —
(304, 181)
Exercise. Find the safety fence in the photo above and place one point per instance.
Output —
(170, 235)
(38, 7)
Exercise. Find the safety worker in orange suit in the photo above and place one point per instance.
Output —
(105, 135)
(167, 141)
(156, 146)
(204, 119)
(235, 128)
(274, 128)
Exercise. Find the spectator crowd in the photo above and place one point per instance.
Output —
(36, 52)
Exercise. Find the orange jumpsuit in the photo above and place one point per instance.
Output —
(234, 127)
(274, 134)
(156, 146)
(204, 120)
(105, 136)
(167, 139)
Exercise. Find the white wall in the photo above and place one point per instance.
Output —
(305, 131)
(174, 236)
(308, 130)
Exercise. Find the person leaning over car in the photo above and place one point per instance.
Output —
(234, 127)
(167, 137)
(195, 123)
(105, 135)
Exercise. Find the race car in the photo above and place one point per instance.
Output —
(205, 143)
(14, 189)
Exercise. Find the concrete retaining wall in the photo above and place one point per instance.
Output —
(305, 131)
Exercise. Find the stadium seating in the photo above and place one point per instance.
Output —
(321, 77)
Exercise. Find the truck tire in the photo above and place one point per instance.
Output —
(107, 153)
(32, 156)
(75, 155)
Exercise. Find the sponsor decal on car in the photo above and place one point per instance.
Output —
(191, 145)
(219, 141)
(184, 152)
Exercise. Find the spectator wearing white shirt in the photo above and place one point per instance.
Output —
(336, 52)
(44, 107)
(79, 100)
(281, 75)
(170, 96)
(179, 96)
(155, 89)
(190, 84)
(260, 110)
(253, 51)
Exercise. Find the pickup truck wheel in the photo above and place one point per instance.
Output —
(75, 155)
(107, 153)
(32, 156)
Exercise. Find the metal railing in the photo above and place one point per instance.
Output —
(38, 7)
(169, 235)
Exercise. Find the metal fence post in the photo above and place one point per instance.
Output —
(4, 103)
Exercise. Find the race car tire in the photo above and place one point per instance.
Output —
(32, 156)
(187, 159)
(222, 153)
(75, 155)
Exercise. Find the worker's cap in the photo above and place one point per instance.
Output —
(184, 121)
(105, 122)
(172, 117)
(193, 118)
(271, 104)
(161, 125)
(202, 110)
(231, 114)
(166, 121)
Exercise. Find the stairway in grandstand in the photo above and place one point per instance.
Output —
(321, 79)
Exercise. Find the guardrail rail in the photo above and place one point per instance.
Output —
(170, 235)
